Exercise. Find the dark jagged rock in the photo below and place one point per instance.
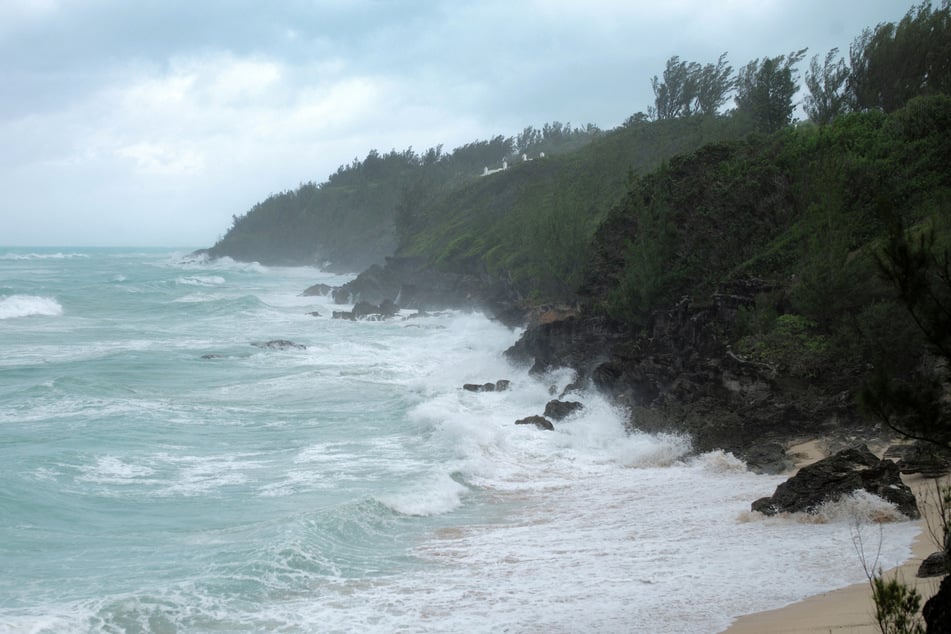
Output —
(934, 565)
(322, 290)
(413, 282)
(279, 344)
(314, 313)
(344, 314)
(539, 421)
(837, 476)
(499, 386)
(937, 610)
(211, 356)
(559, 410)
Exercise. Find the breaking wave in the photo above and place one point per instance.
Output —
(14, 306)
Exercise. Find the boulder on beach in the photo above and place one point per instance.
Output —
(837, 476)
(934, 565)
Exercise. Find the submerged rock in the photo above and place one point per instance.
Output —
(318, 289)
(538, 421)
(279, 344)
(837, 476)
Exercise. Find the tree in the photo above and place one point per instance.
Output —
(765, 90)
(827, 96)
(895, 62)
(920, 275)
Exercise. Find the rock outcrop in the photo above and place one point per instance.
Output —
(560, 410)
(676, 373)
(837, 476)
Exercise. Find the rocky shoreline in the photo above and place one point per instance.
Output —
(676, 374)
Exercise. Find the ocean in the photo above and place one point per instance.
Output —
(161, 473)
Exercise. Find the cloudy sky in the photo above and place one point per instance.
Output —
(151, 122)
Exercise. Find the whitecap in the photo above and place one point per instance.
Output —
(42, 256)
(201, 280)
(15, 306)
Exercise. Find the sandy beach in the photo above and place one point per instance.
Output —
(848, 609)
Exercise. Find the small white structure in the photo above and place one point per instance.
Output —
(487, 171)
(505, 165)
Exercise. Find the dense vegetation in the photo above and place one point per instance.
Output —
(805, 212)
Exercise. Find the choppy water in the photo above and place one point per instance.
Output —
(351, 486)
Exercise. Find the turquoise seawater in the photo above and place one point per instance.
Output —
(161, 473)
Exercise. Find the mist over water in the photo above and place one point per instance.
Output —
(161, 473)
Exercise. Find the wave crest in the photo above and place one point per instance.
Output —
(42, 256)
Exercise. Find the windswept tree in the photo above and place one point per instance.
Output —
(765, 89)
(895, 62)
(828, 96)
(688, 88)
(714, 85)
(673, 96)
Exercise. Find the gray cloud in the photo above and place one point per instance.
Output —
(152, 122)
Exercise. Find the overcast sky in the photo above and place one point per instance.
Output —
(151, 122)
